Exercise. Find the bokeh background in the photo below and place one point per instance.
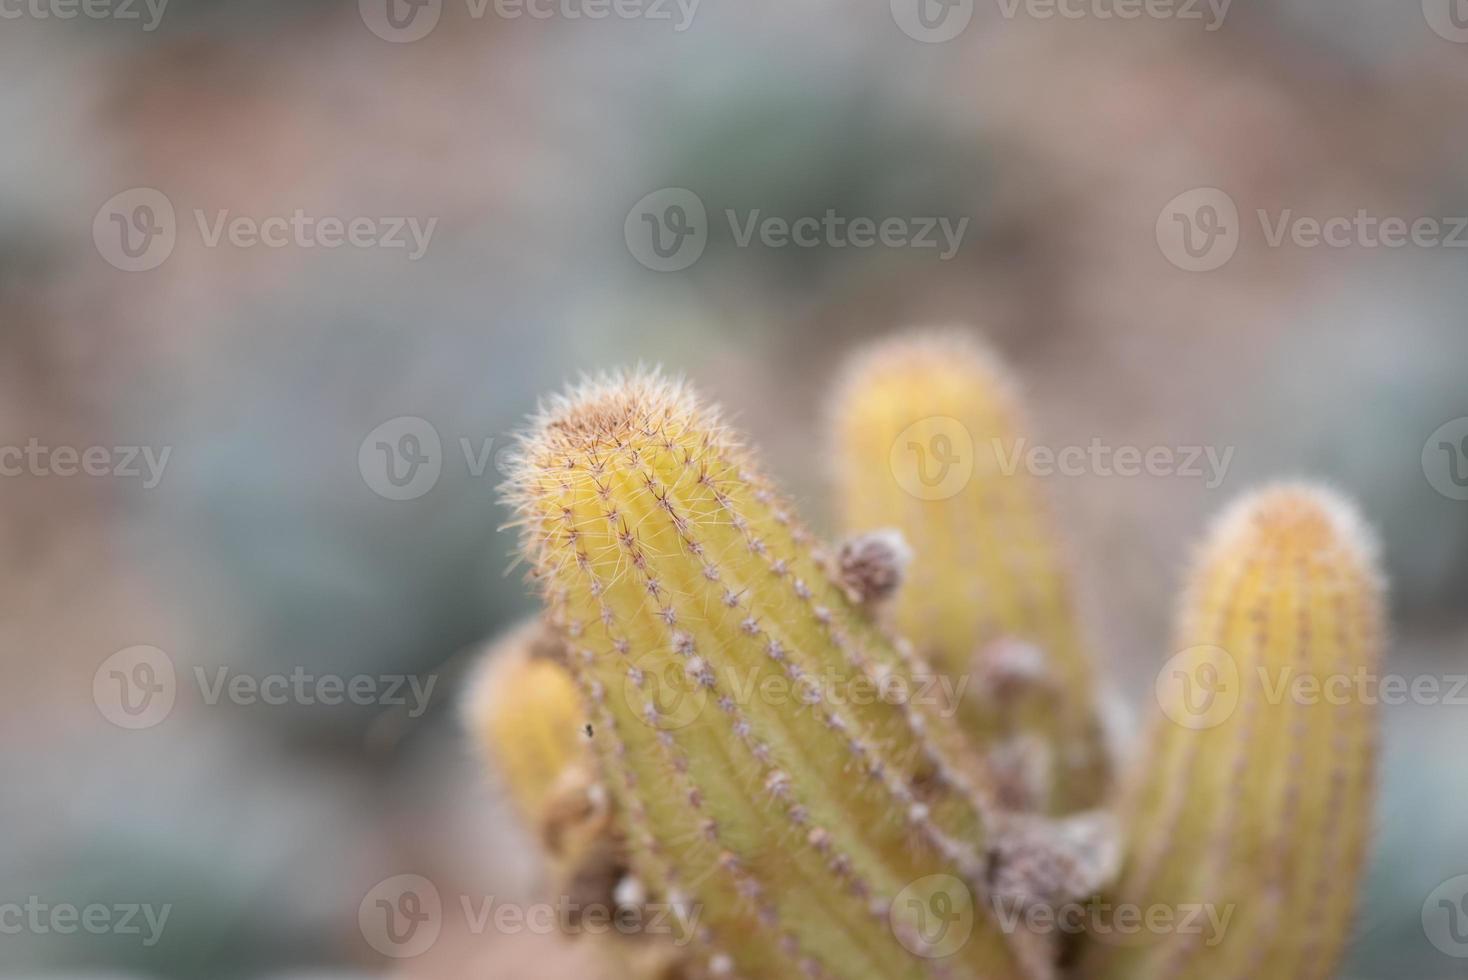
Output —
(266, 545)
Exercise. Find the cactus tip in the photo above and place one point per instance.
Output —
(1297, 517)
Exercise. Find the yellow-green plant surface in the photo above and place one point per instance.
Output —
(527, 721)
(1254, 800)
(762, 788)
(803, 821)
(928, 437)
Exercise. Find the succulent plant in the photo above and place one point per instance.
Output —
(1254, 799)
(774, 761)
(920, 431)
(526, 719)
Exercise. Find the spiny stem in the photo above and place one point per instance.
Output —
(1254, 802)
(921, 428)
(758, 775)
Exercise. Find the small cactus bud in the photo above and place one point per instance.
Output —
(872, 565)
(1255, 799)
(922, 428)
(1022, 770)
(762, 790)
(1039, 861)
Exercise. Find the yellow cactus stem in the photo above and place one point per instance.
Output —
(528, 722)
(1248, 823)
(801, 820)
(529, 725)
(928, 438)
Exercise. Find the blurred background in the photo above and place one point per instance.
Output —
(285, 452)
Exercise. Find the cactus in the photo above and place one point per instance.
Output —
(923, 429)
(1255, 799)
(769, 783)
(774, 777)
(527, 720)
(528, 723)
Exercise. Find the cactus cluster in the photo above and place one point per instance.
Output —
(882, 758)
